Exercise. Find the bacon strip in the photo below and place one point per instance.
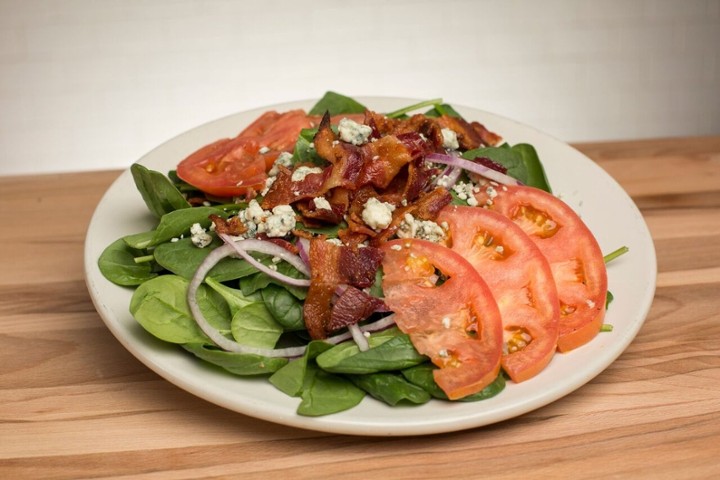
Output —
(352, 306)
(331, 266)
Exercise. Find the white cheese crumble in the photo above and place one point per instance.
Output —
(283, 160)
(446, 322)
(465, 191)
(276, 223)
(281, 222)
(199, 237)
(376, 214)
(335, 241)
(301, 172)
(411, 227)
(353, 132)
(321, 203)
(268, 183)
(450, 140)
(264, 150)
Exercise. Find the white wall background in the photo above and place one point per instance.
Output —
(90, 85)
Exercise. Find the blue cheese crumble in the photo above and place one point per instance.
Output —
(450, 139)
(376, 214)
(353, 132)
(283, 160)
(321, 203)
(411, 227)
(199, 237)
(301, 172)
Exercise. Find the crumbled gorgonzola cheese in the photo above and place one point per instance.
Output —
(301, 172)
(268, 183)
(465, 191)
(321, 203)
(376, 214)
(450, 140)
(284, 160)
(280, 222)
(199, 237)
(411, 227)
(353, 132)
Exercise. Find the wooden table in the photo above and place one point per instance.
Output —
(74, 403)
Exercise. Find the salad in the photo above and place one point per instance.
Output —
(342, 252)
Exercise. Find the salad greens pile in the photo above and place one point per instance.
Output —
(255, 309)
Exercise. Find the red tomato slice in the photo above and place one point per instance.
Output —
(519, 278)
(235, 167)
(455, 322)
(573, 252)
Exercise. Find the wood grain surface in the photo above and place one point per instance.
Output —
(75, 404)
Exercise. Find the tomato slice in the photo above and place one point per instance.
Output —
(519, 278)
(575, 257)
(452, 317)
(237, 166)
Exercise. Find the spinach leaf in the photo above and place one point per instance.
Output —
(422, 376)
(158, 192)
(305, 150)
(284, 307)
(324, 393)
(330, 231)
(214, 308)
(160, 307)
(535, 172)
(291, 378)
(336, 104)
(233, 297)
(237, 363)
(183, 258)
(253, 325)
(117, 264)
(442, 109)
(387, 353)
(506, 157)
(176, 224)
(140, 240)
(402, 112)
(390, 388)
(259, 281)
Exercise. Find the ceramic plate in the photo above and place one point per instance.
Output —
(601, 202)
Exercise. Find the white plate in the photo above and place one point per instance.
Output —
(605, 207)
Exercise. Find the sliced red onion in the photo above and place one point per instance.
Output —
(218, 338)
(242, 247)
(303, 246)
(474, 168)
(359, 337)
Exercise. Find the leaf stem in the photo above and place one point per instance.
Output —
(144, 259)
(615, 254)
(410, 108)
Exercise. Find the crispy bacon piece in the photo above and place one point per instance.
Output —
(331, 266)
(470, 135)
(231, 226)
(352, 306)
(285, 191)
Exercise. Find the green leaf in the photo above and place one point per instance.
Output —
(506, 157)
(535, 172)
(214, 308)
(386, 353)
(140, 240)
(259, 281)
(442, 109)
(160, 306)
(391, 388)
(324, 393)
(183, 258)
(422, 376)
(158, 192)
(236, 363)
(177, 224)
(284, 307)
(304, 151)
(336, 104)
(291, 378)
(253, 325)
(233, 297)
(117, 264)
